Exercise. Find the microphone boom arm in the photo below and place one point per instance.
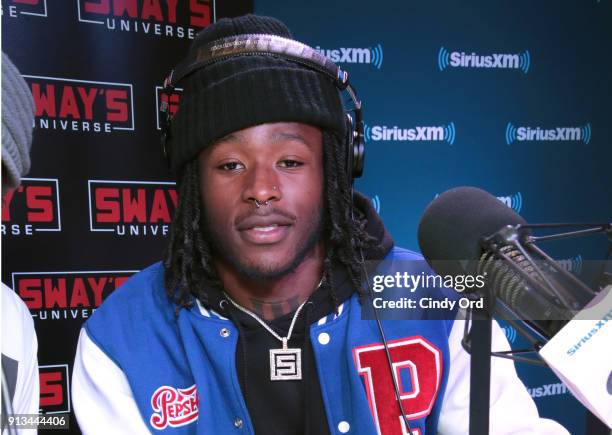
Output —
(518, 237)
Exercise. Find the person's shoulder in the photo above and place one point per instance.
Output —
(18, 332)
(403, 254)
(133, 316)
(11, 301)
(405, 260)
(142, 285)
(141, 298)
(14, 310)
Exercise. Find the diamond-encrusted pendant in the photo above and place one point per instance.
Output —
(285, 363)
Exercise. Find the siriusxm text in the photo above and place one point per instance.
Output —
(346, 55)
(558, 133)
(473, 60)
(381, 132)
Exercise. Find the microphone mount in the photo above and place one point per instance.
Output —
(477, 335)
(512, 242)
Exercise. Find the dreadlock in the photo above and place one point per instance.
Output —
(188, 258)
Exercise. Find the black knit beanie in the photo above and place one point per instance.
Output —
(244, 91)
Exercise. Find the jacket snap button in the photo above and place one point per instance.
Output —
(238, 423)
(344, 427)
(324, 338)
(224, 333)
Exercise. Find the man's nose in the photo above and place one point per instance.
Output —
(263, 186)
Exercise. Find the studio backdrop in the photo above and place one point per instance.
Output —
(512, 97)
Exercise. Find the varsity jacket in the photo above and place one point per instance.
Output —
(141, 368)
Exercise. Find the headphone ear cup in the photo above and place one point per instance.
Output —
(355, 149)
(358, 156)
(349, 143)
(358, 150)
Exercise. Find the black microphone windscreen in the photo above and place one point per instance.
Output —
(453, 224)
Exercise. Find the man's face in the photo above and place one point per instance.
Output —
(281, 163)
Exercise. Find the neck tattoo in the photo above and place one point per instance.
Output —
(273, 310)
(286, 362)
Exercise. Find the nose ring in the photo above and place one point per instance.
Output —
(258, 204)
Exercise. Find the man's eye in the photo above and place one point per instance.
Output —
(290, 163)
(230, 166)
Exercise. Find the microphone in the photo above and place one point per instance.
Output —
(467, 231)
(451, 234)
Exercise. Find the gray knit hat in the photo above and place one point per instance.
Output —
(17, 121)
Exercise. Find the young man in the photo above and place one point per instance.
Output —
(252, 324)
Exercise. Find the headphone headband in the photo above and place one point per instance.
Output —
(284, 48)
(258, 45)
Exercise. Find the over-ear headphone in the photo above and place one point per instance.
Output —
(284, 48)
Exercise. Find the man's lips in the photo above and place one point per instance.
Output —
(264, 229)
(265, 235)
(263, 221)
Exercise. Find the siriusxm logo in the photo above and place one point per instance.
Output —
(510, 333)
(515, 202)
(548, 390)
(597, 326)
(442, 133)
(376, 203)
(372, 56)
(573, 265)
(568, 134)
(455, 59)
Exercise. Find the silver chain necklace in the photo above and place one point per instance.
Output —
(285, 363)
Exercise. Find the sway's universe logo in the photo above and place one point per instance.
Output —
(455, 59)
(558, 134)
(171, 98)
(514, 201)
(371, 55)
(166, 18)
(15, 8)
(82, 105)
(131, 208)
(441, 133)
(33, 207)
(54, 389)
(66, 295)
